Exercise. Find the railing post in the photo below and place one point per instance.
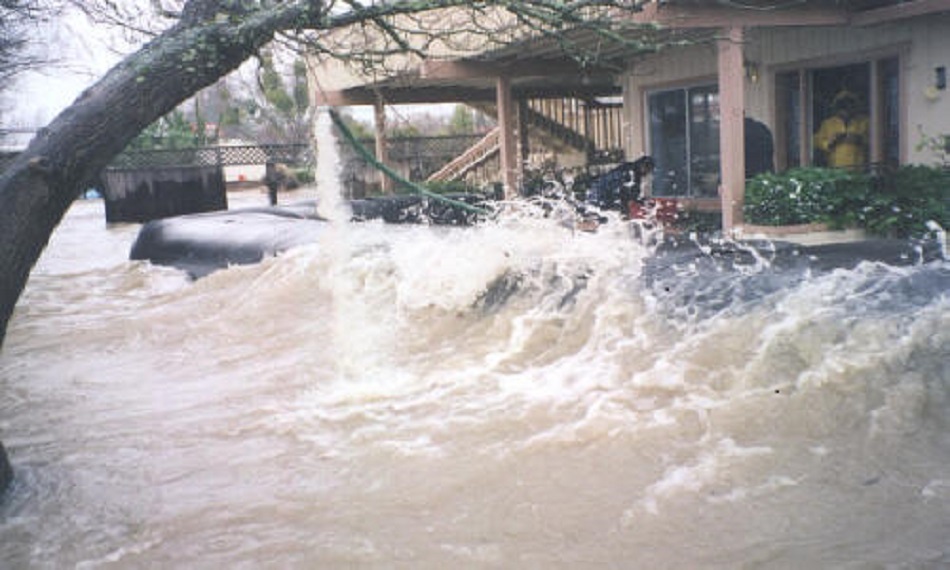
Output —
(510, 166)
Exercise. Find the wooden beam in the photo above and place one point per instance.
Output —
(687, 17)
(901, 11)
(403, 95)
(527, 67)
(731, 127)
(458, 93)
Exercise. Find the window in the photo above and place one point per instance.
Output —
(889, 80)
(840, 116)
(684, 141)
(790, 121)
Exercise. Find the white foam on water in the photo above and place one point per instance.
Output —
(692, 478)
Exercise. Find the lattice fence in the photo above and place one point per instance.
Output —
(214, 156)
(418, 157)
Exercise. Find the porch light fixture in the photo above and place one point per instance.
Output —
(940, 78)
(751, 71)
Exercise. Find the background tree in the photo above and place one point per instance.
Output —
(16, 18)
(173, 131)
(264, 101)
(462, 121)
(284, 114)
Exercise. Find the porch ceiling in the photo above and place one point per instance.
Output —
(443, 86)
(581, 63)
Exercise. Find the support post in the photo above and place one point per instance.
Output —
(508, 125)
(272, 181)
(731, 127)
(382, 146)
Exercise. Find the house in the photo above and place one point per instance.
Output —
(780, 63)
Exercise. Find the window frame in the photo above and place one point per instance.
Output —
(876, 61)
(704, 84)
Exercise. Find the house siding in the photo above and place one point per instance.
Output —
(922, 45)
(928, 110)
(688, 65)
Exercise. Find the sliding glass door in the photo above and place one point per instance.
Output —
(684, 141)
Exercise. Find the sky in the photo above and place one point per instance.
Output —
(81, 53)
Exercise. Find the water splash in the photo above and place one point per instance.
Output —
(940, 235)
(330, 202)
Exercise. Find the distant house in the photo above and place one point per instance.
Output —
(780, 63)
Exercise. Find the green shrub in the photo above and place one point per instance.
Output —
(304, 175)
(901, 202)
(895, 203)
(803, 196)
(450, 187)
(692, 220)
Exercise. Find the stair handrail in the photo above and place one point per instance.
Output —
(474, 155)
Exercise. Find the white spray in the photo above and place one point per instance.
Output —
(351, 280)
(330, 203)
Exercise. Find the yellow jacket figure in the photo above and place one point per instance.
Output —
(843, 137)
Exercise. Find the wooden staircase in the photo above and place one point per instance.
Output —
(547, 119)
(560, 124)
(475, 156)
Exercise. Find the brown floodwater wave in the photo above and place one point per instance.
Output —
(512, 395)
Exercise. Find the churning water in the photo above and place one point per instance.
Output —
(512, 395)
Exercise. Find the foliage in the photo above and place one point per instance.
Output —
(895, 203)
(304, 175)
(939, 146)
(462, 121)
(693, 220)
(279, 109)
(451, 187)
(14, 57)
(801, 196)
(272, 86)
(405, 131)
(359, 129)
(900, 203)
(173, 131)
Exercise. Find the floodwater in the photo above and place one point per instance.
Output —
(513, 395)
